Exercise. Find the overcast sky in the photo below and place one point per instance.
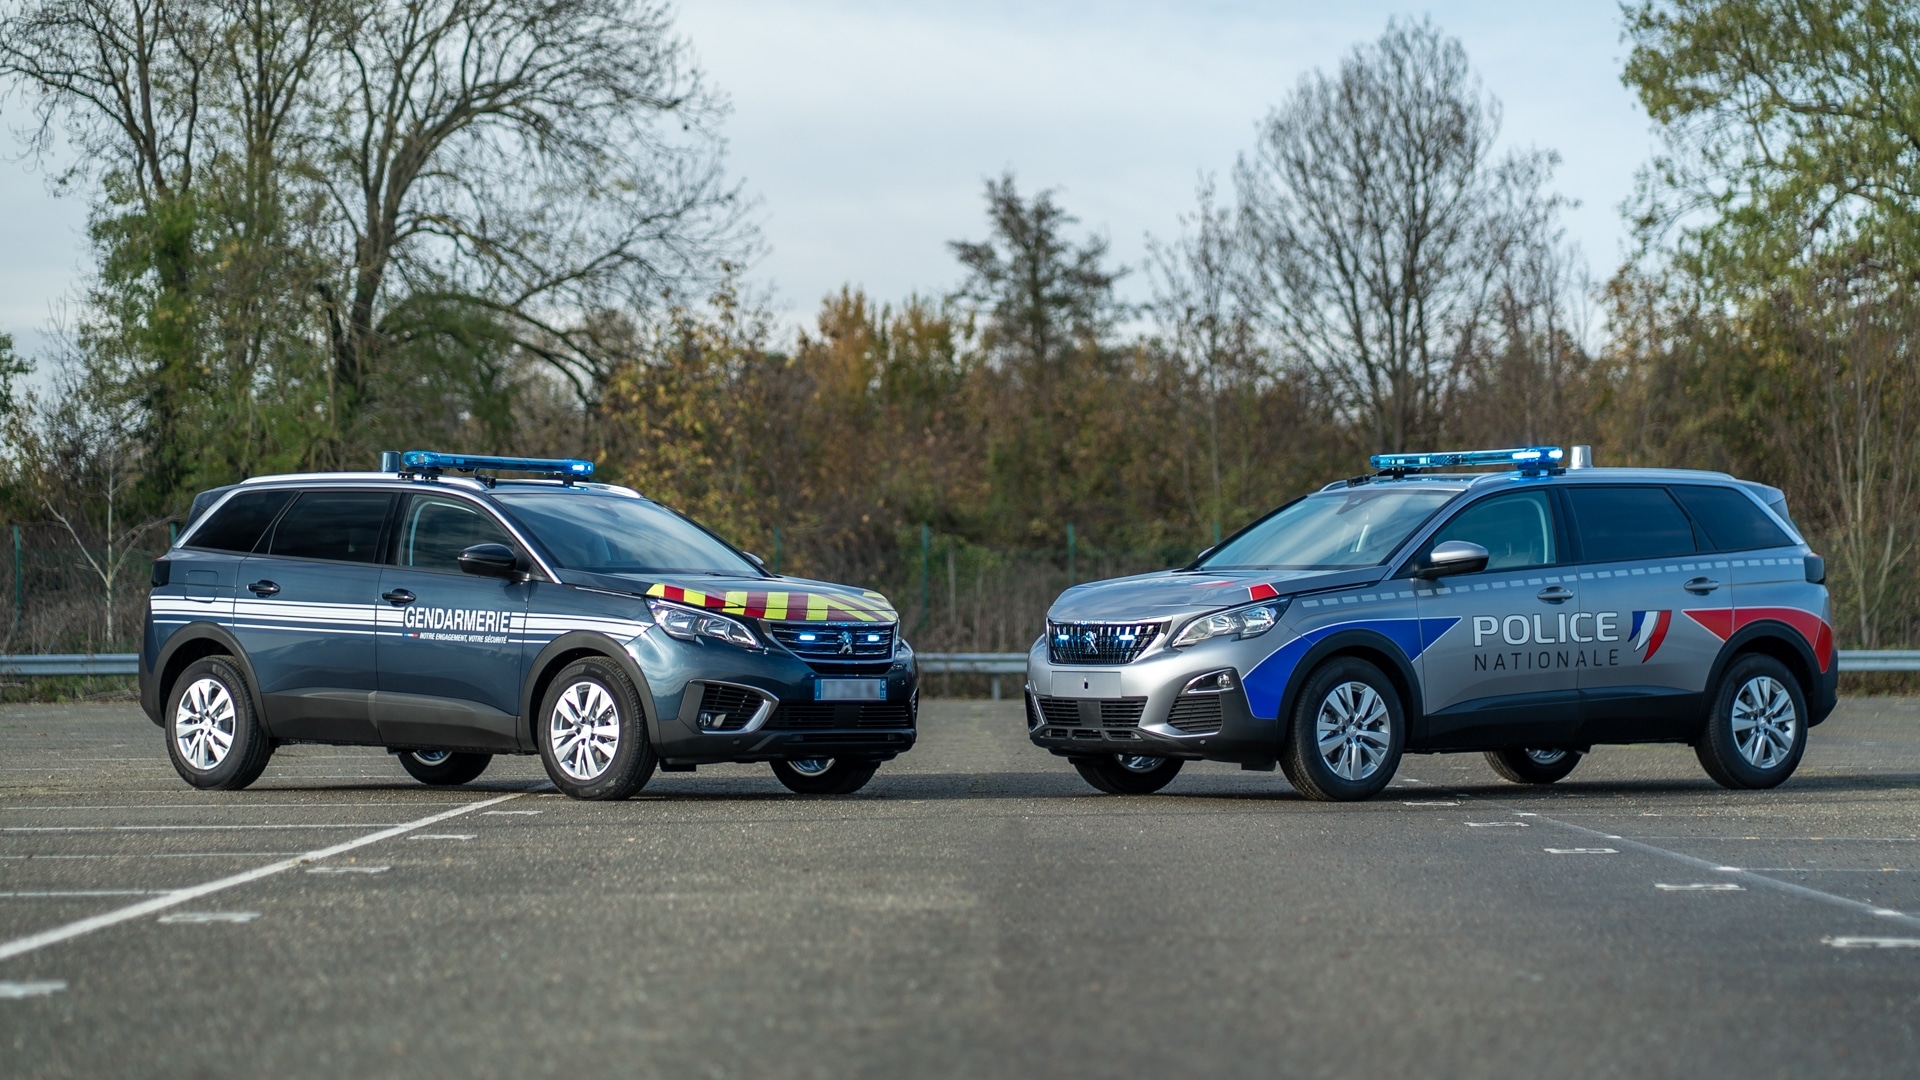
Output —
(867, 130)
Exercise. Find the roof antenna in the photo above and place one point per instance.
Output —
(390, 461)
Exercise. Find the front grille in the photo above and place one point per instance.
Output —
(1098, 643)
(838, 648)
(1074, 712)
(842, 714)
(1196, 714)
(727, 708)
(1124, 712)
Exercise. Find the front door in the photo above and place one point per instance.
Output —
(304, 612)
(1504, 674)
(450, 642)
(1649, 600)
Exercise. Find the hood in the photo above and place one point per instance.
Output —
(781, 599)
(1173, 594)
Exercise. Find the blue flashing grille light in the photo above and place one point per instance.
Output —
(1527, 459)
(429, 461)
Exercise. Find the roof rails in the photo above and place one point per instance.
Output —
(429, 463)
(1529, 460)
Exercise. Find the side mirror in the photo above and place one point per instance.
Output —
(1452, 557)
(490, 560)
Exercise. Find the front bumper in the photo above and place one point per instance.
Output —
(1079, 711)
(719, 703)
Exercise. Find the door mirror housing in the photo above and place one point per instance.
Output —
(490, 560)
(1452, 557)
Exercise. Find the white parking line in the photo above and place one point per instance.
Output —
(45, 893)
(1582, 851)
(1872, 942)
(443, 836)
(182, 828)
(1496, 824)
(195, 917)
(16, 990)
(1858, 907)
(236, 805)
(348, 869)
(31, 942)
(1707, 886)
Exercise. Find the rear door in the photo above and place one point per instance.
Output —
(1651, 599)
(1504, 673)
(305, 611)
(1769, 568)
(450, 651)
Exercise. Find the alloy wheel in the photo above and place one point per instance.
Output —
(1354, 730)
(1765, 723)
(585, 731)
(203, 724)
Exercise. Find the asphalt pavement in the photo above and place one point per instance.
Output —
(976, 911)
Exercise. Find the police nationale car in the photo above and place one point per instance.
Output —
(450, 618)
(1530, 614)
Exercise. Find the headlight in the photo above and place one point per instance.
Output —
(1243, 622)
(692, 624)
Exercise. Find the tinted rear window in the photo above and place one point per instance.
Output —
(1731, 521)
(238, 524)
(339, 525)
(1621, 523)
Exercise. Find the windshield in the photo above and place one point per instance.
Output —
(1333, 530)
(616, 534)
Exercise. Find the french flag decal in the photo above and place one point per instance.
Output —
(1649, 630)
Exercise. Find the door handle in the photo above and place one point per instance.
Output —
(1555, 594)
(397, 597)
(1701, 586)
(263, 587)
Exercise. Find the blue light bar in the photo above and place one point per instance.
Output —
(571, 468)
(1527, 459)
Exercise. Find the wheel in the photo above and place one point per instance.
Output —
(1347, 731)
(443, 768)
(213, 738)
(593, 738)
(1128, 774)
(825, 776)
(1757, 729)
(1528, 766)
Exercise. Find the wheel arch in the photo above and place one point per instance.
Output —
(1780, 641)
(1375, 648)
(566, 649)
(193, 642)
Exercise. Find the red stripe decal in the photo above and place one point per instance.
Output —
(674, 593)
(1262, 592)
(1818, 635)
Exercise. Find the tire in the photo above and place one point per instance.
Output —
(1128, 774)
(592, 733)
(213, 738)
(1524, 765)
(443, 768)
(1758, 727)
(1347, 711)
(825, 776)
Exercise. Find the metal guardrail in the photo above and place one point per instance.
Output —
(995, 664)
(37, 664)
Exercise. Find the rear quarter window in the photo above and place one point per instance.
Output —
(1731, 521)
(240, 521)
(1618, 524)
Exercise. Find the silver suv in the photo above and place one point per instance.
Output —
(1529, 614)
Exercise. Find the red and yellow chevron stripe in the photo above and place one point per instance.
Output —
(785, 606)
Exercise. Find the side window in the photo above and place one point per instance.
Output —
(1616, 524)
(238, 524)
(1516, 530)
(1731, 520)
(340, 525)
(435, 531)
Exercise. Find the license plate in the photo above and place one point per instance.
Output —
(850, 690)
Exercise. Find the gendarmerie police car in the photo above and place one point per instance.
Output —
(452, 618)
(1529, 614)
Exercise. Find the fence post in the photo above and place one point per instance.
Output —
(776, 551)
(173, 533)
(1216, 534)
(926, 574)
(1072, 578)
(19, 580)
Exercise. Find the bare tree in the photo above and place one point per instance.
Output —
(1373, 204)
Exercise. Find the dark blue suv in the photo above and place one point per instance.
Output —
(449, 618)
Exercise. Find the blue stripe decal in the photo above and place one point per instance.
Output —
(1267, 682)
